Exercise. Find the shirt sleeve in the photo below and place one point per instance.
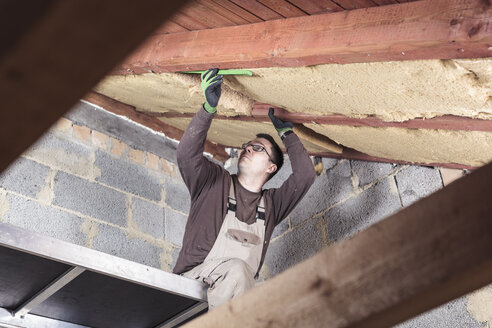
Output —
(195, 169)
(285, 198)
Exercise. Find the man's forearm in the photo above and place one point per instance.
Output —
(302, 167)
(193, 141)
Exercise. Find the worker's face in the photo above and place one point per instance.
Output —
(257, 161)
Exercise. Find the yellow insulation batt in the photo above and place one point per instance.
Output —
(392, 91)
(472, 148)
(169, 92)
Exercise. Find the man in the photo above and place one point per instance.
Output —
(231, 219)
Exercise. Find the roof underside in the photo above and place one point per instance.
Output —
(318, 59)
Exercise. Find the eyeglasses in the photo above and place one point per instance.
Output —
(257, 148)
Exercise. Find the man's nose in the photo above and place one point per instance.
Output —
(249, 148)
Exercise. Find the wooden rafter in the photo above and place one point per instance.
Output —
(119, 108)
(260, 114)
(59, 51)
(423, 256)
(441, 29)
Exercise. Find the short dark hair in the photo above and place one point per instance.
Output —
(277, 155)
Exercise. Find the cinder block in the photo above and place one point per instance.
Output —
(295, 246)
(174, 257)
(64, 126)
(416, 182)
(329, 163)
(177, 195)
(117, 147)
(151, 161)
(116, 242)
(175, 226)
(127, 176)
(90, 198)
(100, 140)
(25, 177)
(131, 133)
(135, 155)
(167, 168)
(81, 132)
(450, 175)
(367, 172)
(60, 153)
(452, 314)
(46, 220)
(328, 189)
(363, 210)
(149, 217)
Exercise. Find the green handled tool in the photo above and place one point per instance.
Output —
(226, 72)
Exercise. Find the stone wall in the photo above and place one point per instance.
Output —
(98, 180)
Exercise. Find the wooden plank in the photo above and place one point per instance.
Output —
(238, 11)
(355, 4)
(385, 2)
(258, 9)
(205, 15)
(440, 29)
(119, 108)
(63, 52)
(190, 23)
(283, 7)
(425, 255)
(170, 27)
(314, 7)
(236, 19)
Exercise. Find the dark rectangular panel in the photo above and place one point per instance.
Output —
(22, 275)
(96, 300)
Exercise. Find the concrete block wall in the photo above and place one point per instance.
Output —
(87, 187)
(109, 184)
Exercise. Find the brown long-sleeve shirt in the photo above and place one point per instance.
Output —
(208, 184)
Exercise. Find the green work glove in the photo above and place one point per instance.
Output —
(211, 86)
(281, 126)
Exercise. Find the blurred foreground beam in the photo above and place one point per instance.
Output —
(427, 254)
(56, 51)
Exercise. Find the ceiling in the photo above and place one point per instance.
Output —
(208, 14)
(382, 68)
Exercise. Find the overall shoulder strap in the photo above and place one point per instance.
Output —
(231, 199)
(260, 209)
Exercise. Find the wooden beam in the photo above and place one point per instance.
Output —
(59, 51)
(425, 255)
(440, 29)
(119, 108)
(260, 114)
(445, 122)
(352, 154)
(449, 122)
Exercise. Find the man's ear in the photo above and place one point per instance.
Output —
(272, 168)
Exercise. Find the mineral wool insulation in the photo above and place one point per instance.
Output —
(391, 91)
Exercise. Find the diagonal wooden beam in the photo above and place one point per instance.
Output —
(259, 113)
(119, 108)
(425, 255)
(440, 29)
(57, 52)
